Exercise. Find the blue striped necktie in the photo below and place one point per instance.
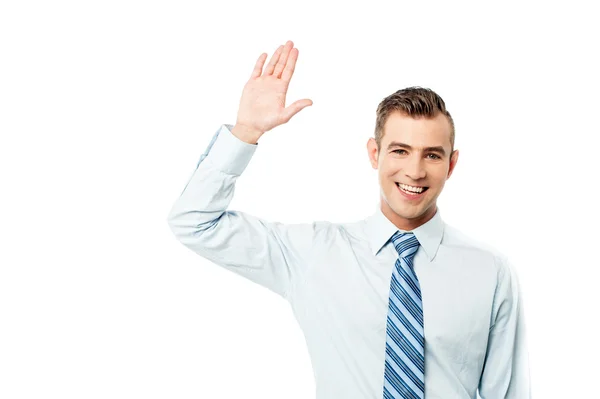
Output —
(404, 375)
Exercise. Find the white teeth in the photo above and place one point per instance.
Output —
(411, 188)
(408, 192)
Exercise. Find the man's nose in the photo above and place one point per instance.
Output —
(415, 168)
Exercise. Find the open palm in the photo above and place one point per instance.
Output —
(262, 105)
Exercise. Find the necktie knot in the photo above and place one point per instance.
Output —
(406, 244)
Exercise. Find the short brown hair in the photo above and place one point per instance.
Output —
(411, 101)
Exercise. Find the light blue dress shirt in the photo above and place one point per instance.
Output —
(336, 278)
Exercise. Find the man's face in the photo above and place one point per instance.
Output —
(414, 166)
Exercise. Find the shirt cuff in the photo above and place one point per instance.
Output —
(227, 152)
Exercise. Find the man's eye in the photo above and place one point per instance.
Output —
(436, 156)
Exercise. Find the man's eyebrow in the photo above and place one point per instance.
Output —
(439, 149)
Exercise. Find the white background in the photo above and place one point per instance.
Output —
(106, 107)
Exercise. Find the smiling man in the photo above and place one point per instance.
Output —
(455, 315)
(418, 154)
(396, 305)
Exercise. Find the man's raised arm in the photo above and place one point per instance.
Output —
(268, 253)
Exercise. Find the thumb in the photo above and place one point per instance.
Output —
(295, 107)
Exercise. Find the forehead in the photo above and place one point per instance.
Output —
(419, 131)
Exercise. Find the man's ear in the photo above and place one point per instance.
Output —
(453, 160)
(373, 152)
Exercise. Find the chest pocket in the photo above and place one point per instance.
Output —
(458, 325)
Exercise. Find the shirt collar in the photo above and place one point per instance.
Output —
(380, 229)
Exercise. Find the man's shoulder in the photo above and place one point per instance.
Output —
(457, 238)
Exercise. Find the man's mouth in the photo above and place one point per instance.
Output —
(411, 191)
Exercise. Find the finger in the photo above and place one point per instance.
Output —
(283, 59)
(274, 59)
(296, 107)
(259, 65)
(290, 66)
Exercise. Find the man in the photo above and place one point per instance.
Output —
(398, 305)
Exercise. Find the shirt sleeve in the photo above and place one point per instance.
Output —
(505, 373)
(267, 253)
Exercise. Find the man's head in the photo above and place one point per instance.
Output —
(416, 118)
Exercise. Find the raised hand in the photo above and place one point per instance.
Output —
(262, 105)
